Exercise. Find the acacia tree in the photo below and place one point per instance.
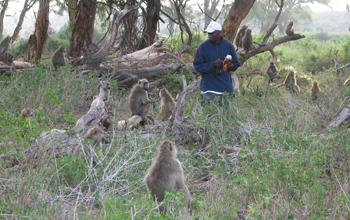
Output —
(37, 40)
(82, 30)
(266, 10)
(151, 17)
(28, 4)
(235, 17)
(3, 6)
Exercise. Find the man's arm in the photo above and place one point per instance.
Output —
(201, 64)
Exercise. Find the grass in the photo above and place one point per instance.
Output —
(267, 157)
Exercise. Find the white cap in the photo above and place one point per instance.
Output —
(213, 26)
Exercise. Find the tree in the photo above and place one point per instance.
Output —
(37, 40)
(82, 29)
(209, 11)
(179, 7)
(266, 10)
(151, 16)
(28, 4)
(3, 6)
(237, 13)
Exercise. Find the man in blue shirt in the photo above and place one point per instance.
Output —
(209, 60)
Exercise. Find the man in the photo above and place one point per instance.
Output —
(209, 60)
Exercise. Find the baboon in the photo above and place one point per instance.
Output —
(272, 71)
(289, 31)
(58, 57)
(291, 82)
(247, 40)
(240, 35)
(27, 113)
(166, 173)
(7, 58)
(138, 99)
(314, 90)
(104, 91)
(5, 51)
(167, 104)
(94, 133)
(5, 45)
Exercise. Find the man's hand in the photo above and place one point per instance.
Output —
(217, 63)
(230, 65)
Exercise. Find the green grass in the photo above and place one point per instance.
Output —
(288, 165)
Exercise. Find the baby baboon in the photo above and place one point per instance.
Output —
(291, 82)
(94, 133)
(166, 173)
(138, 99)
(240, 35)
(104, 91)
(167, 104)
(247, 40)
(314, 90)
(5, 45)
(289, 31)
(58, 57)
(27, 113)
(272, 72)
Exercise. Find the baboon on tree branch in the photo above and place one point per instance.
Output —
(289, 31)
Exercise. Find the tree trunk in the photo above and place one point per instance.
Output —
(81, 27)
(96, 59)
(72, 12)
(28, 4)
(237, 13)
(37, 40)
(3, 5)
(209, 12)
(151, 21)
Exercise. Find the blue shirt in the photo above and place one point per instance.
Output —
(203, 62)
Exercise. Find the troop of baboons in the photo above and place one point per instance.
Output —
(166, 172)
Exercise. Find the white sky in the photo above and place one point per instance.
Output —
(336, 5)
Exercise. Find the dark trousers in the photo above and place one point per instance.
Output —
(221, 100)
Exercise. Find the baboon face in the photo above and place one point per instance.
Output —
(291, 23)
(162, 93)
(167, 148)
(105, 85)
(96, 134)
(63, 49)
(272, 64)
(143, 83)
(248, 31)
(315, 83)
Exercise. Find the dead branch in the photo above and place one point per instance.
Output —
(269, 47)
(341, 117)
(274, 24)
(180, 103)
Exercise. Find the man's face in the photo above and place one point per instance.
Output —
(215, 36)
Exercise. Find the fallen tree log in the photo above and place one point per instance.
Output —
(343, 116)
(146, 57)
